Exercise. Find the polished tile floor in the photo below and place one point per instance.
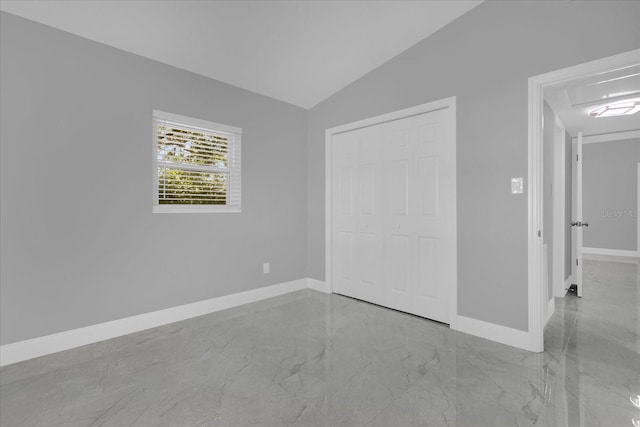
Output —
(310, 359)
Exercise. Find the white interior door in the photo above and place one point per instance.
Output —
(393, 210)
(576, 209)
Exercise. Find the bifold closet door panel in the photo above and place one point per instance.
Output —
(357, 183)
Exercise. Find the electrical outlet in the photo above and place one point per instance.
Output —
(266, 268)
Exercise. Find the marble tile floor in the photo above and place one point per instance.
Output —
(593, 344)
(310, 359)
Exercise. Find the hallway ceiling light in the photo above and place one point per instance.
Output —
(620, 108)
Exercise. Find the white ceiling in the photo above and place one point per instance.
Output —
(573, 100)
(299, 52)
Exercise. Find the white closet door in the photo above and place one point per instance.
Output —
(393, 210)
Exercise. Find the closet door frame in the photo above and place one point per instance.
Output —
(450, 105)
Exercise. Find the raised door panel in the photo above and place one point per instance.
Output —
(367, 189)
(345, 254)
(345, 190)
(368, 259)
(429, 186)
(428, 267)
(399, 263)
(399, 191)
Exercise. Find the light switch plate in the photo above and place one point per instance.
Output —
(517, 186)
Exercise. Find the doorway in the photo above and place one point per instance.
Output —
(391, 210)
(538, 305)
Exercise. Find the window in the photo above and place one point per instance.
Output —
(196, 165)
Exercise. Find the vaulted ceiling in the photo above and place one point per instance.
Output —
(300, 52)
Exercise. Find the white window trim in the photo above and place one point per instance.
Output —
(234, 183)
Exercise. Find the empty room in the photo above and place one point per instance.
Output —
(319, 213)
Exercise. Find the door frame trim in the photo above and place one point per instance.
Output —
(535, 172)
(559, 198)
(447, 103)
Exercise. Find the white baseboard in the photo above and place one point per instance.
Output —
(611, 252)
(41, 346)
(493, 332)
(551, 308)
(318, 285)
(36, 347)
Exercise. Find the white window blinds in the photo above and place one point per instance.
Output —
(197, 165)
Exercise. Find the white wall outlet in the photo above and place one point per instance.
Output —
(517, 185)
(266, 268)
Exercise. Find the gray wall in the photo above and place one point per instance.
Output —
(548, 140)
(484, 58)
(610, 194)
(568, 178)
(76, 252)
(79, 242)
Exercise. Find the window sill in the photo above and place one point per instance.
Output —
(195, 209)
